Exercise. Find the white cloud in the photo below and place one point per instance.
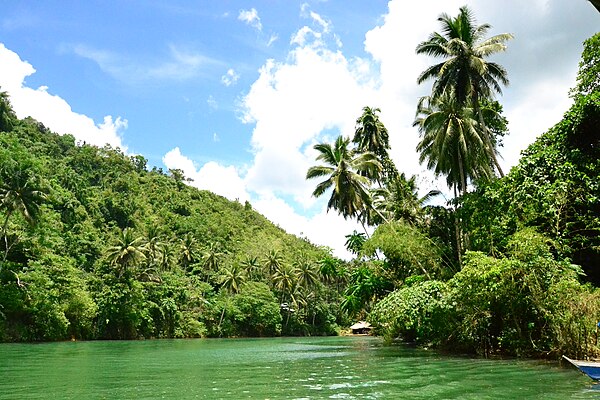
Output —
(230, 78)
(251, 18)
(222, 180)
(272, 39)
(180, 64)
(324, 229)
(318, 92)
(326, 25)
(52, 110)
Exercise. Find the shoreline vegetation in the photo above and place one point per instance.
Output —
(95, 245)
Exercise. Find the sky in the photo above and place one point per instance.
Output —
(236, 93)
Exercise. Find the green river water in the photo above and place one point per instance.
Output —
(280, 368)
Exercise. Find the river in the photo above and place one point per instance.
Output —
(279, 368)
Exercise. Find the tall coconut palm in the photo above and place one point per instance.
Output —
(464, 71)
(306, 273)
(343, 169)
(452, 142)
(273, 261)
(188, 247)
(285, 279)
(19, 193)
(400, 199)
(232, 278)
(252, 267)
(371, 135)
(127, 252)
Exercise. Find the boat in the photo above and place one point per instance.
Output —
(590, 368)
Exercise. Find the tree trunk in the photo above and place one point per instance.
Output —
(457, 229)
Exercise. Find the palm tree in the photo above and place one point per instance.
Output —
(400, 199)
(188, 249)
(127, 252)
(371, 135)
(154, 245)
(167, 255)
(19, 193)
(343, 169)
(451, 141)
(232, 278)
(273, 261)
(306, 273)
(465, 72)
(252, 268)
(452, 144)
(211, 257)
(285, 279)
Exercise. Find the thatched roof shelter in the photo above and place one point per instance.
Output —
(361, 328)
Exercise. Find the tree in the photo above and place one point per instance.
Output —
(232, 278)
(306, 273)
(400, 199)
(273, 261)
(371, 135)
(343, 169)
(127, 252)
(211, 257)
(188, 249)
(284, 280)
(252, 268)
(19, 193)
(7, 115)
(465, 73)
(355, 241)
(452, 142)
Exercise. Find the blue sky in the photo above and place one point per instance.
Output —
(235, 93)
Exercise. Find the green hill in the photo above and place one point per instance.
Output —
(95, 246)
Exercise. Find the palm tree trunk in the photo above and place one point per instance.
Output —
(4, 233)
(457, 229)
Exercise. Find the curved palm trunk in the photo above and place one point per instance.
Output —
(457, 229)
(5, 234)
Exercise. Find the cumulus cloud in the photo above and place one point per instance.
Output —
(222, 180)
(317, 92)
(324, 229)
(251, 18)
(180, 64)
(52, 110)
(230, 78)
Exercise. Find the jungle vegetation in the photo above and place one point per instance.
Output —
(510, 264)
(93, 245)
(96, 245)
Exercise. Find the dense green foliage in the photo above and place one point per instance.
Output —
(502, 268)
(531, 240)
(93, 245)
